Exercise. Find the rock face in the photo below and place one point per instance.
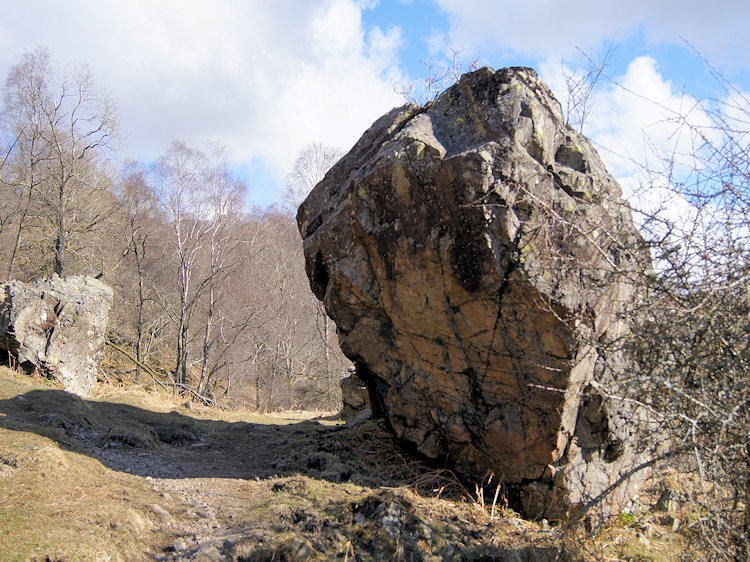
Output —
(472, 254)
(56, 326)
(354, 396)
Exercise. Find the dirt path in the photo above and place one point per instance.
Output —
(213, 474)
(205, 485)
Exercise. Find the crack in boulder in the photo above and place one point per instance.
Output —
(472, 254)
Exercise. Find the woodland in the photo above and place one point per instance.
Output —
(210, 296)
(212, 300)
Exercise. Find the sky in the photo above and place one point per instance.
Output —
(266, 78)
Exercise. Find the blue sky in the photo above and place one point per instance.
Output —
(266, 78)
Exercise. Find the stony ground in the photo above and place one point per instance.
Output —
(128, 476)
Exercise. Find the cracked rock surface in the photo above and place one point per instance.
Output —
(57, 326)
(474, 256)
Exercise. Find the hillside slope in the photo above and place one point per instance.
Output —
(130, 476)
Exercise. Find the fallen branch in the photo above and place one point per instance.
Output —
(143, 366)
(207, 401)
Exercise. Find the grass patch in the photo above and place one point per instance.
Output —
(79, 480)
(65, 505)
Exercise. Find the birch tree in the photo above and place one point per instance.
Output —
(62, 129)
(203, 203)
(25, 95)
(311, 165)
(140, 244)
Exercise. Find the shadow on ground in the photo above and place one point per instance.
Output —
(279, 489)
(174, 445)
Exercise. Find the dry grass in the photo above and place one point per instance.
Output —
(61, 504)
(323, 490)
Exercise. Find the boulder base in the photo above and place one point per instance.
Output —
(474, 256)
(56, 326)
(354, 396)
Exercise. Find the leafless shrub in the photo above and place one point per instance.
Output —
(581, 86)
(690, 337)
(438, 76)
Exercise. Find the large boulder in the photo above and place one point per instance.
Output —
(474, 255)
(56, 326)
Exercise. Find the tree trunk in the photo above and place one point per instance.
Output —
(257, 390)
(16, 245)
(203, 383)
(180, 372)
(327, 346)
(60, 242)
(139, 320)
(19, 232)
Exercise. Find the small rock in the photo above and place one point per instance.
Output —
(207, 553)
(669, 521)
(666, 501)
(361, 417)
(301, 549)
(139, 523)
(180, 544)
(391, 520)
(354, 396)
(160, 511)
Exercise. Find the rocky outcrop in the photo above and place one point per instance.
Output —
(56, 326)
(474, 256)
(354, 397)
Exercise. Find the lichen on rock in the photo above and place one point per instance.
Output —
(474, 255)
(57, 326)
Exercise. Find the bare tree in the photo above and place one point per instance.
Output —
(294, 368)
(62, 129)
(203, 204)
(690, 341)
(138, 240)
(178, 177)
(26, 92)
(80, 126)
(228, 247)
(312, 164)
(439, 75)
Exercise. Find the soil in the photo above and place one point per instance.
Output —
(133, 476)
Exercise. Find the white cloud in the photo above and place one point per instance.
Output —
(655, 140)
(641, 112)
(263, 78)
(542, 28)
(636, 117)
